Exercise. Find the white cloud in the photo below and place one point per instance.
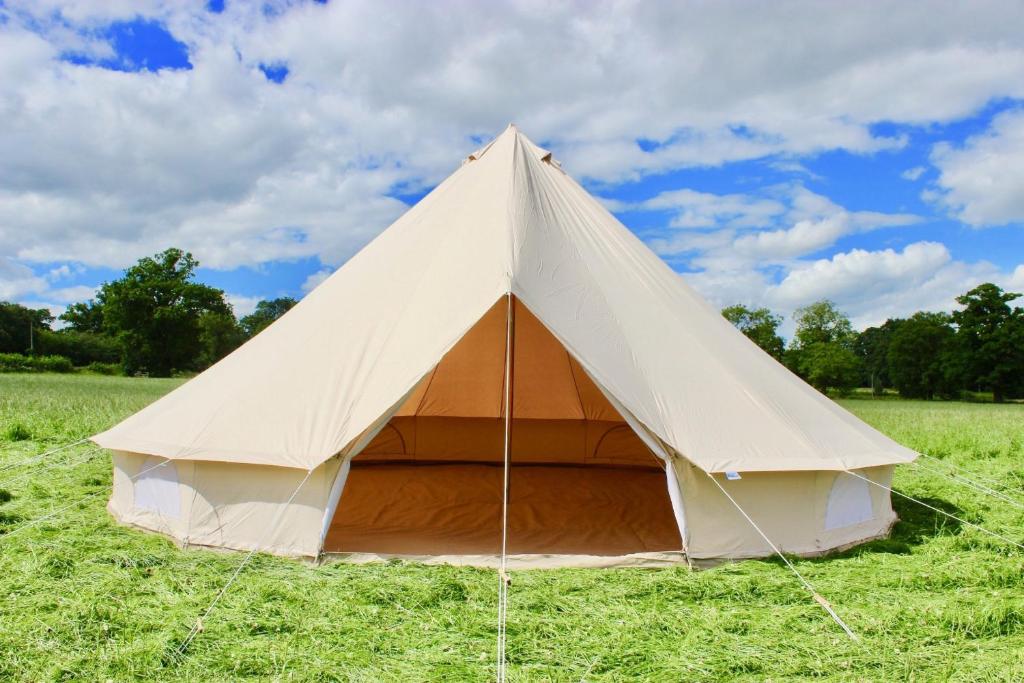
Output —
(18, 280)
(105, 167)
(70, 295)
(102, 167)
(981, 182)
(913, 173)
(869, 286)
(702, 209)
(314, 280)
(760, 230)
(241, 304)
(1016, 280)
(868, 274)
(773, 264)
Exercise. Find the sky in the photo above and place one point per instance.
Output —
(774, 154)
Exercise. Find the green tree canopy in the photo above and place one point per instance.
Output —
(81, 348)
(872, 348)
(917, 353)
(267, 311)
(219, 335)
(154, 311)
(822, 348)
(989, 345)
(829, 366)
(822, 323)
(19, 325)
(85, 317)
(759, 325)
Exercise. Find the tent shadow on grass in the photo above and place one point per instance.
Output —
(916, 525)
(9, 522)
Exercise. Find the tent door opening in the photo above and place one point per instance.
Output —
(430, 482)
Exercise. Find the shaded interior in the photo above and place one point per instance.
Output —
(582, 482)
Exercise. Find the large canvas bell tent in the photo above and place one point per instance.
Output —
(371, 420)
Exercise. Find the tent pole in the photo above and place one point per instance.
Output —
(503, 578)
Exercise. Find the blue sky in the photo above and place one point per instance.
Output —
(861, 159)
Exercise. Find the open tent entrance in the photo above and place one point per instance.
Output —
(430, 482)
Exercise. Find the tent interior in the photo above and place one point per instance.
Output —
(430, 482)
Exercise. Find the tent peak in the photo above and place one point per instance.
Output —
(512, 131)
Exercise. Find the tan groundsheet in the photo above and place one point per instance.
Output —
(455, 509)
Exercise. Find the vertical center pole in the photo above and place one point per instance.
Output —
(502, 566)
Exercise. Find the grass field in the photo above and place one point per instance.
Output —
(84, 599)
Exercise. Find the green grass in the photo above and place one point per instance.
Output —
(84, 599)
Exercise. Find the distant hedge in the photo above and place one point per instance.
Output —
(82, 348)
(104, 368)
(16, 362)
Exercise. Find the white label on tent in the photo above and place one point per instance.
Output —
(732, 476)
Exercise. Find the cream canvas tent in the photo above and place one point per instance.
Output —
(370, 420)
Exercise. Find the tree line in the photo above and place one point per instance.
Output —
(155, 320)
(978, 348)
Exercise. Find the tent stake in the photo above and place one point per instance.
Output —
(198, 628)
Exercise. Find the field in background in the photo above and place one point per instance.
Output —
(84, 599)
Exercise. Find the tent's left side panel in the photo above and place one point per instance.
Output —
(223, 505)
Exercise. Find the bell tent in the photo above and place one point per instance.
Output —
(372, 419)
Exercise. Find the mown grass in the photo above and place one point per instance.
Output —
(84, 599)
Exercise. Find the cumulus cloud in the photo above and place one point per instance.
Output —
(774, 264)
(241, 304)
(869, 286)
(981, 182)
(865, 272)
(18, 280)
(1016, 280)
(314, 280)
(703, 209)
(100, 167)
(913, 173)
(752, 229)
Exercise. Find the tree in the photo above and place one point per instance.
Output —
(872, 348)
(822, 322)
(988, 349)
(85, 317)
(822, 348)
(916, 355)
(81, 348)
(759, 325)
(219, 335)
(19, 325)
(154, 312)
(829, 366)
(266, 312)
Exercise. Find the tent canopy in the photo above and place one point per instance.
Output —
(353, 354)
